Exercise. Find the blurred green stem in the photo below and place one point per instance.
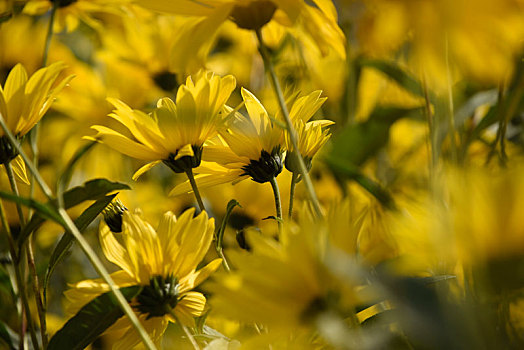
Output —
(70, 226)
(49, 34)
(30, 260)
(268, 64)
(294, 179)
(19, 275)
(451, 109)
(278, 203)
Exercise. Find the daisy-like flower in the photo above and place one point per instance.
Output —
(164, 262)
(249, 147)
(296, 16)
(175, 132)
(23, 102)
(71, 12)
(286, 286)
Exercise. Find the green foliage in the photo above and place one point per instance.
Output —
(91, 321)
(91, 190)
(67, 240)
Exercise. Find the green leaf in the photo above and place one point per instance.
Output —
(393, 71)
(356, 143)
(91, 321)
(65, 178)
(8, 336)
(91, 190)
(220, 233)
(5, 282)
(347, 170)
(45, 210)
(62, 248)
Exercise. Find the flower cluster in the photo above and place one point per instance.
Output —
(383, 145)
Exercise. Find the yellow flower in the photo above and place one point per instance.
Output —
(286, 285)
(299, 18)
(23, 102)
(312, 135)
(169, 254)
(174, 133)
(71, 12)
(479, 40)
(251, 147)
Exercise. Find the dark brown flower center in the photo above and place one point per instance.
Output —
(254, 14)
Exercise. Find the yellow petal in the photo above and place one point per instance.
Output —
(191, 306)
(113, 250)
(194, 279)
(126, 146)
(144, 169)
(19, 169)
(186, 150)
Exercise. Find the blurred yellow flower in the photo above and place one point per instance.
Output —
(174, 133)
(248, 147)
(485, 211)
(318, 21)
(479, 40)
(166, 256)
(71, 12)
(291, 284)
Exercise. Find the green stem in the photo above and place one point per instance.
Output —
(432, 142)
(30, 260)
(220, 253)
(70, 226)
(49, 34)
(268, 64)
(451, 113)
(294, 179)
(186, 331)
(20, 282)
(278, 204)
(191, 177)
(14, 188)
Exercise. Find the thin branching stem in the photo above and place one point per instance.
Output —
(70, 226)
(191, 177)
(268, 64)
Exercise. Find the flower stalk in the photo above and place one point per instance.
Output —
(191, 177)
(278, 203)
(20, 282)
(268, 64)
(30, 259)
(294, 180)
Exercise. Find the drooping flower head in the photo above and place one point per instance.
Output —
(175, 132)
(163, 261)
